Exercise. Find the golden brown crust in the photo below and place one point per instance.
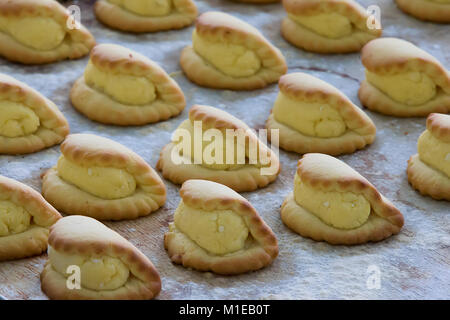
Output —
(307, 39)
(78, 42)
(101, 107)
(257, 1)
(33, 241)
(223, 27)
(53, 125)
(303, 87)
(210, 196)
(426, 10)
(183, 14)
(90, 150)
(427, 180)
(247, 178)
(326, 173)
(78, 235)
(439, 125)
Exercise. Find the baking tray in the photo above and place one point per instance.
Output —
(414, 264)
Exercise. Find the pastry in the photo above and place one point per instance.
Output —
(227, 53)
(328, 26)
(257, 1)
(25, 218)
(103, 179)
(109, 267)
(39, 31)
(215, 229)
(332, 202)
(428, 10)
(29, 122)
(313, 116)
(403, 80)
(214, 145)
(123, 87)
(429, 169)
(146, 15)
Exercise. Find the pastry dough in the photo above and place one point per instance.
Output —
(313, 116)
(103, 179)
(146, 15)
(123, 87)
(403, 80)
(246, 173)
(39, 31)
(428, 10)
(110, 267)
(228, 53)
(25, 217)
(29, 122)
(327, 26)
(332, 202)
(429, 169)
(215, 229)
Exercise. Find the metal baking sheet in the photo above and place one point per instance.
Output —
(413, 264)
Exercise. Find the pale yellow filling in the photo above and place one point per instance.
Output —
(330, 25)
(310, 118)
(96, 273)
(17, 120)
(127, 89)
(13, 218)
(103, 182)
(231, 59)
(210, 156)
(342, 210)
(411, 88)
(39, 33)
(434, 152)
(150, 8)
(218, 231)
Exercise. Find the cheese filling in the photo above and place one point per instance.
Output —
(149, 8)
(310, 118)
(17, 120)
(330, 25)
(210, 156)
(13, 218)
(411, 88)
(39, 33)
(96, 273)
(126, 89)
(218, 231)
(231, 59)
(342, 210)
(103, 182)
(434, 152)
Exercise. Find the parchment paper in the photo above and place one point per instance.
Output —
(413, 264)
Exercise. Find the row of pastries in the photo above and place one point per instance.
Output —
(214, 228)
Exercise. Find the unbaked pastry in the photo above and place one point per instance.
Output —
(327, 26)
(227, 53)
(429, 169)
(251, 166)
(123, 87)
(25, 218)
(29, 122)
(403, 80)
(215, 229)
(110, 267)
(428, 10)
(40, 31)
(146, 15)
(332, 202)
(103, 179)
(313, 116)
